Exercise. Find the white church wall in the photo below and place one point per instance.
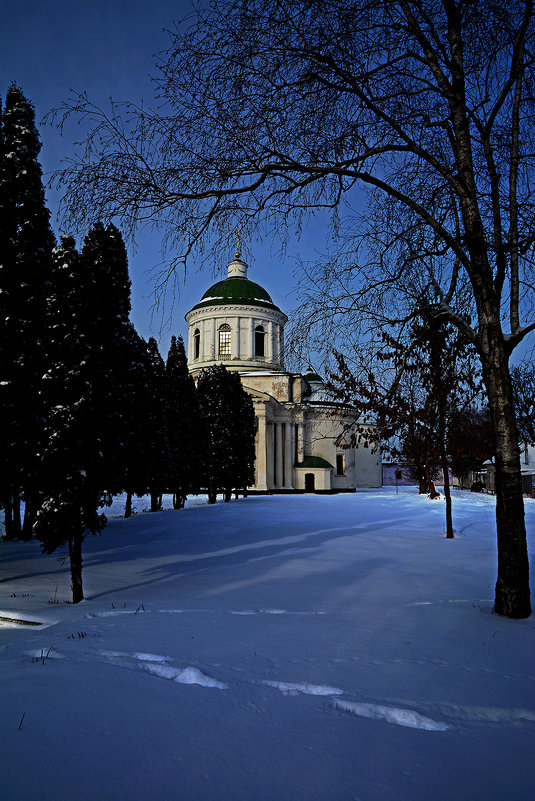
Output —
(368, 467)
(322, 478)
(294, 417)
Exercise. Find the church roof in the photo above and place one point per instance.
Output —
(236, 291)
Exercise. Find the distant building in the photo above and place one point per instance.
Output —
(485, 479)
(303, 440)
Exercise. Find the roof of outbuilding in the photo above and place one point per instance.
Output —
(314, 461)
(236, 291)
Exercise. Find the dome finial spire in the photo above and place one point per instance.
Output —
(237, 268)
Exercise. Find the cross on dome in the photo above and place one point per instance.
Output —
(237, 268)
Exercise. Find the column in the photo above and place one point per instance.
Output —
(261, 452)
(270, 461)
(281, 346)
(278, 454)
(250, 339)
(289, 456)
(204, 328)
(235, 347)
(269, 343)
(190, 344)
(300, 442)
(210, 348)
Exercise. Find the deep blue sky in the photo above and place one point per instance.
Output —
(106, 48)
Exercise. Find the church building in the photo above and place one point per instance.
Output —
(303, 439)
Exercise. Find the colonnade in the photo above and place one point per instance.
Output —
(280, 444)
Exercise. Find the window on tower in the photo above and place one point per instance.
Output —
(196, 344)
(259, 341)
(225, 344)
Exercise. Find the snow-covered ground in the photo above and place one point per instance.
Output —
(270, 649)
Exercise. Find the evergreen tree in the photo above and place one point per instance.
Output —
(109, 301)
(158, 455)
(137, 407)
(127, 374)
(182, 425)
(72, 460)
(242, 425)
(228, 422)
(26, 243)
(85, 388)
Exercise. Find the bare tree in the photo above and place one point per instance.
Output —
(418, 387)
(270, 110)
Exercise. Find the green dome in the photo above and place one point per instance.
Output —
(312, 377)
(236, 291)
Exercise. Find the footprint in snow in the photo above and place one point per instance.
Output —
(290, 688)
(396, 715)
(391, 714)
(156, 665)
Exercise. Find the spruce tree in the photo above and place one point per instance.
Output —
(26, 243)
(126, 367)
(137, 406)
(227, 419)
(182, 424)
(111, 341)
(85, 388)
(72, 458)
(158, 456)
(242, 426)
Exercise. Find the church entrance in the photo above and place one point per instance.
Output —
(310, 482)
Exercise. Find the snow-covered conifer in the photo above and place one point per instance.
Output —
(158, 457)
(182, 424)
(228, 423)
(111, 345)
(93, 363)
(136, 408)
(72, 458)
(26, 243)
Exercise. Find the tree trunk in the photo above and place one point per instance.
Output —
(8, 517)
(17, 529)
(431, 489)
(212, 495)
(442, 427)
(179, 500)
(228, 495)
(512, 598)
(447, 494)
(75, 558)
(128, 505)
(29, 519)
(155, 505)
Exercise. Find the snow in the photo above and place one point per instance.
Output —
(273, 648)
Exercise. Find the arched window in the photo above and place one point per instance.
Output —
(196, 344)
(259, 341)
(225, 340)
